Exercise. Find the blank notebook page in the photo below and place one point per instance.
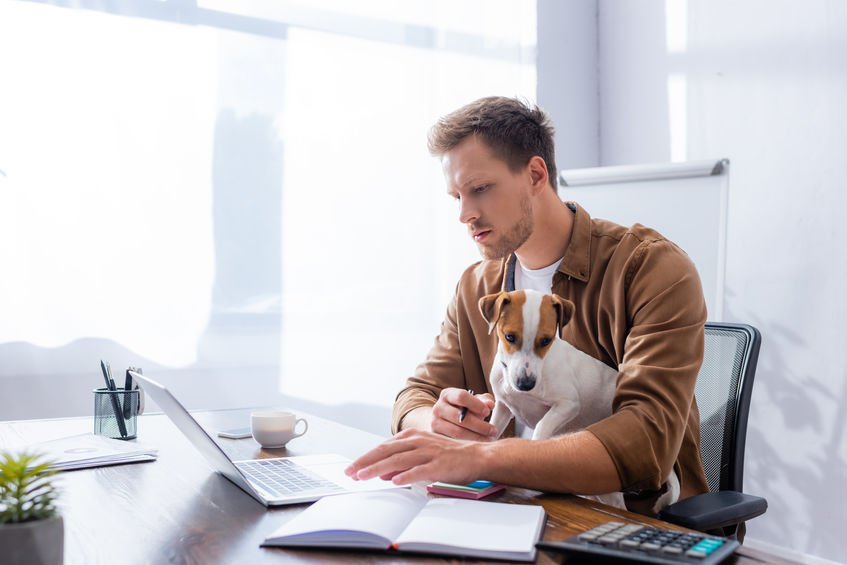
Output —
(384, 513)
(472, 524)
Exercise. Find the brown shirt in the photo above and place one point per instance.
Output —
(639, 309)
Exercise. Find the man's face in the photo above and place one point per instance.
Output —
(495, 203)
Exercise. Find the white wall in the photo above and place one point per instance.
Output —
(764, 84)
(567, 61)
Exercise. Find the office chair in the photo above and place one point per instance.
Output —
(723, 389)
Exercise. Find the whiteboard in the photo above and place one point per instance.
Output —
(685, 202)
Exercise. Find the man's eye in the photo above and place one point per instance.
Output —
(482, 188)
(510, 338)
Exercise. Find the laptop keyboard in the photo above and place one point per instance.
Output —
(281, 477)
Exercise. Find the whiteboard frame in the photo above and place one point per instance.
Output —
(667, 171)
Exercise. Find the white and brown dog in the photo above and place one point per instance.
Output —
(544, 381)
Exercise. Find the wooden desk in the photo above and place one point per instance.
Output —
(176, 510)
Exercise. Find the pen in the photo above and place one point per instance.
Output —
(127, 395)
(116, 405)
(464, 411)
(105, 375)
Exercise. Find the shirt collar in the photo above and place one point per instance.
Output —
(577, 261)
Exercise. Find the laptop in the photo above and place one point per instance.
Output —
(273, 482)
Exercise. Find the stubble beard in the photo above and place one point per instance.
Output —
(513, 238)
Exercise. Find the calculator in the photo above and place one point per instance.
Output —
(634, 543)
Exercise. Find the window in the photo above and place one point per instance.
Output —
(240, 187)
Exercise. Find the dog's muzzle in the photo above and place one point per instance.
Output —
(525, 382)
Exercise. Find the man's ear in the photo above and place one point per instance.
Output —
(538, 173)
(564, 311)
(491, 307)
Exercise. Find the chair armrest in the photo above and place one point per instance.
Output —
(714, 510)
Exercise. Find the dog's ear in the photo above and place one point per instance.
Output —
(491, 307)
(564, 310)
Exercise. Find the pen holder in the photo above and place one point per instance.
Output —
(116, 413)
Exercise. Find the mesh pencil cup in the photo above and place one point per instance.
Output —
(116, 413)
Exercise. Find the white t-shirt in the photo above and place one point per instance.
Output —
(535, 279)
(542, 281)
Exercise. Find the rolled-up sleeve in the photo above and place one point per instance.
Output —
(659, 358)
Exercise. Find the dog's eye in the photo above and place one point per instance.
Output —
(545, 341)
(510, 338)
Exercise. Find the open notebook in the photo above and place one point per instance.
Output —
(404, 520)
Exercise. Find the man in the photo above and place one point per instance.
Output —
(639, 308)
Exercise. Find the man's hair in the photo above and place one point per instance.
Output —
(514, 130)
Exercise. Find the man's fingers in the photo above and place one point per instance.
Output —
(472, 428)
(488, 399)
(447, 412)
(395, 464)
(378, 453)
(481, 405)
(460, 397)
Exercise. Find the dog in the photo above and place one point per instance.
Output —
(542, 380)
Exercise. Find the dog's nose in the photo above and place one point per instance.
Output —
(526, 382)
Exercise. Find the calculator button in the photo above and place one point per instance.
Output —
(630, 543)
(696, 553)
(650, 546)
(707, 546)
(672, 549)
(711, 543)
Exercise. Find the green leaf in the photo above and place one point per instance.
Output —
(26, 488)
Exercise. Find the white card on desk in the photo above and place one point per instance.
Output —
(90, 450)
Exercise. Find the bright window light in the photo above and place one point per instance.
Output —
(244, 185)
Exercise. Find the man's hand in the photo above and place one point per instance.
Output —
(416, 455)
(448, 410)
(443, 417)
(577, 462)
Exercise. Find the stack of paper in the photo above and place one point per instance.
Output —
(474, 490)
(90, 450)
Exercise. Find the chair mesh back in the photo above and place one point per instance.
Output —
(717, 399)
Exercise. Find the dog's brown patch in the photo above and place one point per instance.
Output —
(548, 325)
(511, 322)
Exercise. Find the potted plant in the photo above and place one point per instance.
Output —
(31, 530)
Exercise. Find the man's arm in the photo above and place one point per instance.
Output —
(661, 356)
(445, 416)
(576, 462)
(417, 419)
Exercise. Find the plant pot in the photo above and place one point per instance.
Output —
(41, 542)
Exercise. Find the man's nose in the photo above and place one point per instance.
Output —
(468, 213)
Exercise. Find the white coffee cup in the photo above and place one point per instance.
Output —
(275, 428)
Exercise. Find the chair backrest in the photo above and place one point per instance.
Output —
(723, 390)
